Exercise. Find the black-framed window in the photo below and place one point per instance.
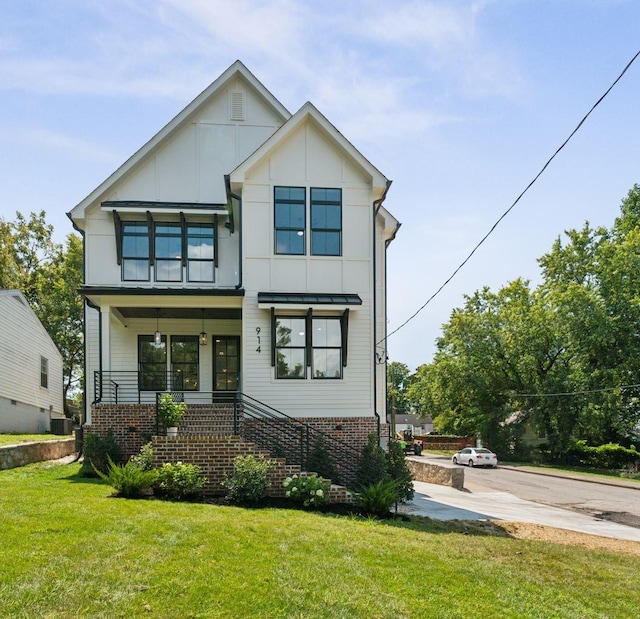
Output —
(152, 363)
(135, 251)
(200, 252)
(290, 220)
(44, 372)
(291, 347)
(185, 362)
(326, 222)
(168, 252)
(226, 361)
(318, 342)
(326, 345)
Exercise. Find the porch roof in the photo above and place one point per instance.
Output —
(180, 303)
(308, 298)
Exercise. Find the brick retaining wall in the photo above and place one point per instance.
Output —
(13, 456)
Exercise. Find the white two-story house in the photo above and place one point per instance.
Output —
(242, 250)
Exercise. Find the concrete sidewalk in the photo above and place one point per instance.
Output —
(445, 503)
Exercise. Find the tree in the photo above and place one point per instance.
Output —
(26, 247)
(565, 355)
(49, 275)
(399, 379)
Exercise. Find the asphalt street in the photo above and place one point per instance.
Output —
(478, 503)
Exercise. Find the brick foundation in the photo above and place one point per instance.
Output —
(206, 438)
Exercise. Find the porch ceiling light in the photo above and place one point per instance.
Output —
(202, 338)
(157, 337)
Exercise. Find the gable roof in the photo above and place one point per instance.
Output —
(306, 113)
(236, 69)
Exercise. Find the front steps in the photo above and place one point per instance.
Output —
(215, 455)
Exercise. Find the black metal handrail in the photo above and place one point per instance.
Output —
(269, 428)
(133, 387)
(294, 439)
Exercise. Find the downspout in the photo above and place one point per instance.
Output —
(230, 196)
(376, 207)
(84, 318)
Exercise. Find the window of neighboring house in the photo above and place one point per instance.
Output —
(152, 363)
(200, 252)
(44, 372)
(185, 367)
(290, 220)
(326, 222)
(168, 252)
(327, 348)
(290, 345)
(135, 251)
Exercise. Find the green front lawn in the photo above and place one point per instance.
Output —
(13, 439)
(69, 549)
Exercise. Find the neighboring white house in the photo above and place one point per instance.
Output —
(30, 369)
(242, 248)
(419, 426)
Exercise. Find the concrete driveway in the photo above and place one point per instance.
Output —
(446, 503)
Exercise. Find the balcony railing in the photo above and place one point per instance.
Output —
(140, 388)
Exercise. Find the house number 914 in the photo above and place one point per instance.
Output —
(258, 336)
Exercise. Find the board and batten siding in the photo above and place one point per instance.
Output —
(23, 341)
(308, 159)
(349, 397)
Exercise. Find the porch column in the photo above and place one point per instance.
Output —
(105, 347)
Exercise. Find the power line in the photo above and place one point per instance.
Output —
(569, 393)
(495, 225)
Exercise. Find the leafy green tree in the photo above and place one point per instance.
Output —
(49, 275)
(399, 379)
(565, 355)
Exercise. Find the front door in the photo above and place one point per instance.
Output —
(226, 363)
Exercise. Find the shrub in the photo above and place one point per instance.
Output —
(377, 499)
(373, 463)
(170, 412)
(398, 471)
(129, 481)
(179, 481)
(248, 483)
(97, 452)
(144, 460)
(310, 491)
(607, 456)
(320, 461)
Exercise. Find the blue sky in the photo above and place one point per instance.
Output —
(460, 103)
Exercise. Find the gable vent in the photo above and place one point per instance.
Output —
(237, 105)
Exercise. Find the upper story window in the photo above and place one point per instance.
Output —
(326, 222)
(168, 252)
(290, 220)
(44, 372)
(172, 251)
(325, 215)
(135, 251)
(200, 252)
